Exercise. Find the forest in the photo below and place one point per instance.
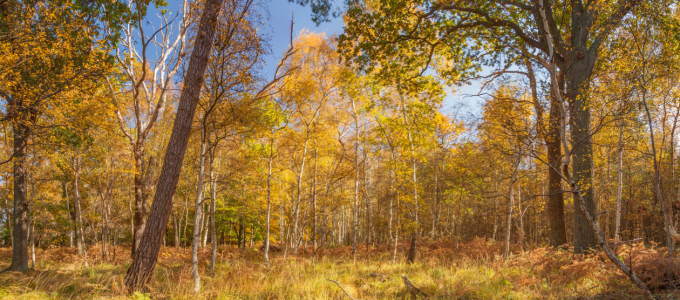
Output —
(432, 149)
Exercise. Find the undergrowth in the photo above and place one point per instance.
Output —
(444, 270)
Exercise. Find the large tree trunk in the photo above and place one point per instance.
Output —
(142, 266)
(577, 74)
(555, 205)
(20, 233)
(582, 165)
(574, 184)
(551, 136)
(579, 61)
(578, 56)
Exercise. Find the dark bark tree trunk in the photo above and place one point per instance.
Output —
(144, 262)
(143, 182)
(412, 250)
(139, 219)
(577, 77)
(579, 57)
(555, 205)
(20, 233)
(552, 139)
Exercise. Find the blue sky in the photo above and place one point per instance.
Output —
(277, 28)
(281, 11)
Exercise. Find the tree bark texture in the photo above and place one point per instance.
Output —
(139, 219)
(144, 262)
(578, 77)
(555, 205)
(20, 230)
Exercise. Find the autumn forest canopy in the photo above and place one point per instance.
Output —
(135, 132)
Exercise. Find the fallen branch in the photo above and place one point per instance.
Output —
(411, 288)
(346, 293)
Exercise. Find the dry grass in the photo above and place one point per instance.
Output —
(474, 271)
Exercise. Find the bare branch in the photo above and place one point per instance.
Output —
(346, 293)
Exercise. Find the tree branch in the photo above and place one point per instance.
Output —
(624, 8)
(346, 293)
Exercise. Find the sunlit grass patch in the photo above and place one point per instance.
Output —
(476, 271)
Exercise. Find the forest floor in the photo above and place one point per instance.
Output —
(444, 270)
